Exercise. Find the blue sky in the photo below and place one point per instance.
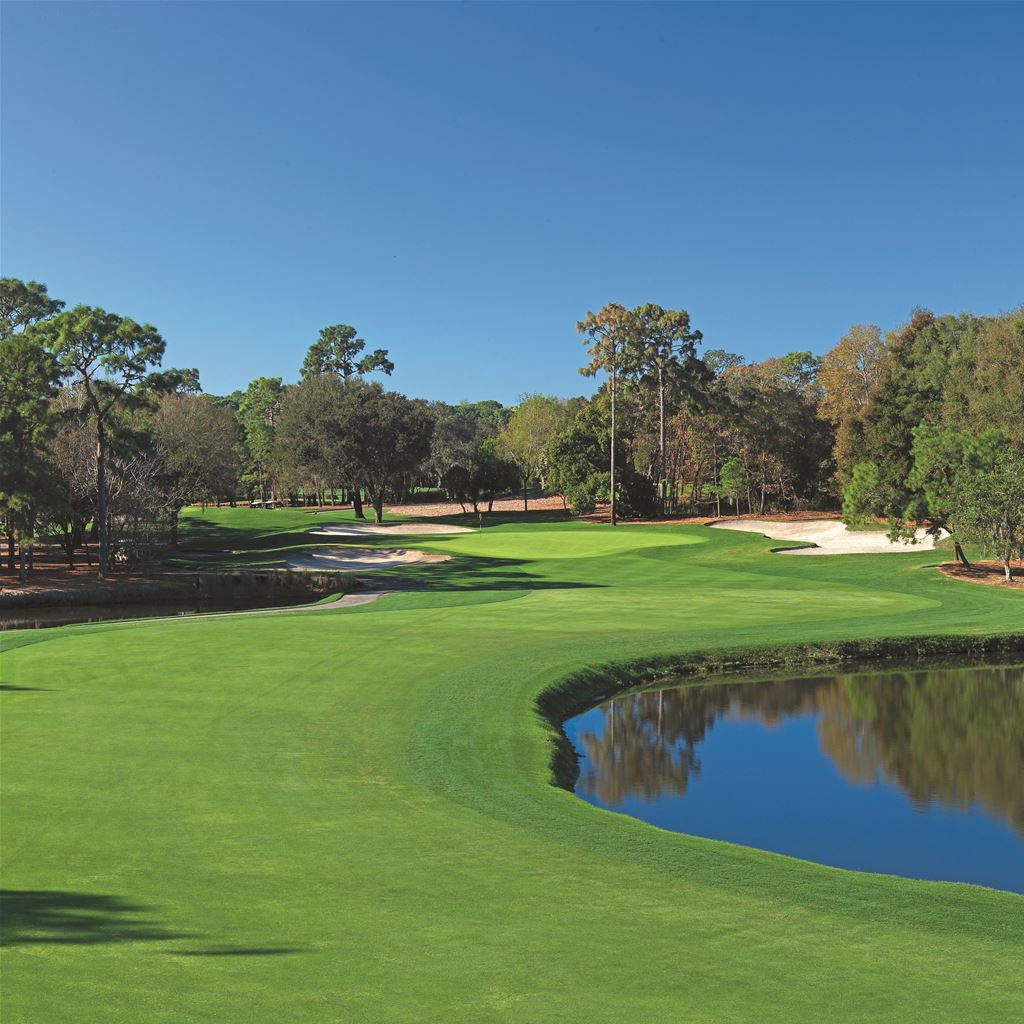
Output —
(462, 182)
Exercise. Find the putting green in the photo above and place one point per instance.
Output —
(341, 816)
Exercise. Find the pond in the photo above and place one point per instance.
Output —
(40, 618)
(918, 772)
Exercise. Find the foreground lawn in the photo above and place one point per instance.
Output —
(347, 815)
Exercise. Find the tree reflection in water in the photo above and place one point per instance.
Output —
(954, 736)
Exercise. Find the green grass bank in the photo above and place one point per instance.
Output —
(348, 815)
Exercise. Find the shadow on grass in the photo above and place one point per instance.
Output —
(49, 917)
(54, 918)
(199, 536)
(470, 573)
(462, 573)
(11, 688)
(492, 519)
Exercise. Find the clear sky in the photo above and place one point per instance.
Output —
(462, 182)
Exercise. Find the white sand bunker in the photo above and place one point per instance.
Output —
(360, 529)
(359, 559)
(831, 537)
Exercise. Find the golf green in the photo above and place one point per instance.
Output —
(347, 815)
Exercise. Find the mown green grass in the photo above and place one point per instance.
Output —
(347, 815)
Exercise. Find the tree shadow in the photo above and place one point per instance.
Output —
(11, 688)
(508, 518)
(203, 538)
(470, 573)
(462, 573)
(55, 918)
(50, 917)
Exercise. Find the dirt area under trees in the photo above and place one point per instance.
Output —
(502, 505)
(989, 574)
(51, 572)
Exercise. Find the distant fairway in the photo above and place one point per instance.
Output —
(347, 815)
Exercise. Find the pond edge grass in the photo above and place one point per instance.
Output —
(581, 690)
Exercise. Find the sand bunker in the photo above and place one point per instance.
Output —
(359, 559)
(831, 537)
(361, 529)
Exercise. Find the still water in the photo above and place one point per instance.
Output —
(917, 773)
(40, 618)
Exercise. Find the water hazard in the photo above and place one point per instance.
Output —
(917, 772)
(41, 618)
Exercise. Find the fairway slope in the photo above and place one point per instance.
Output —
(336, 815)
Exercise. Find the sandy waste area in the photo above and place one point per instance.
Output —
(831, 537)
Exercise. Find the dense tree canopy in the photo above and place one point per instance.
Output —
(527, 437)
(384, 437)
(946, 390)
(920, 426)
(112, 361)
(28, 386)
(338, 351)
(259, 410)
(23, 303)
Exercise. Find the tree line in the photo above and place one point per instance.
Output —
(929, 425)
(101, 448)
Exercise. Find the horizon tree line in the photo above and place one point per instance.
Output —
(101, 446)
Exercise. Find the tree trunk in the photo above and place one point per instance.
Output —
(12, 561)
(31, 540)
(526, 506)
(68, 543)
(378, 508)
(959, 553)
(1007, 568)
(101, 499)
(661, 439)
(612, 445)
(174, 528)
(718, 495)
(357, 503)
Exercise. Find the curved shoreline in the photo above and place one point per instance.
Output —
(580, 691)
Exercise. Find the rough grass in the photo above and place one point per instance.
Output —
(338, 816)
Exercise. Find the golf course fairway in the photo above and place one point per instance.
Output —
(348, 815)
